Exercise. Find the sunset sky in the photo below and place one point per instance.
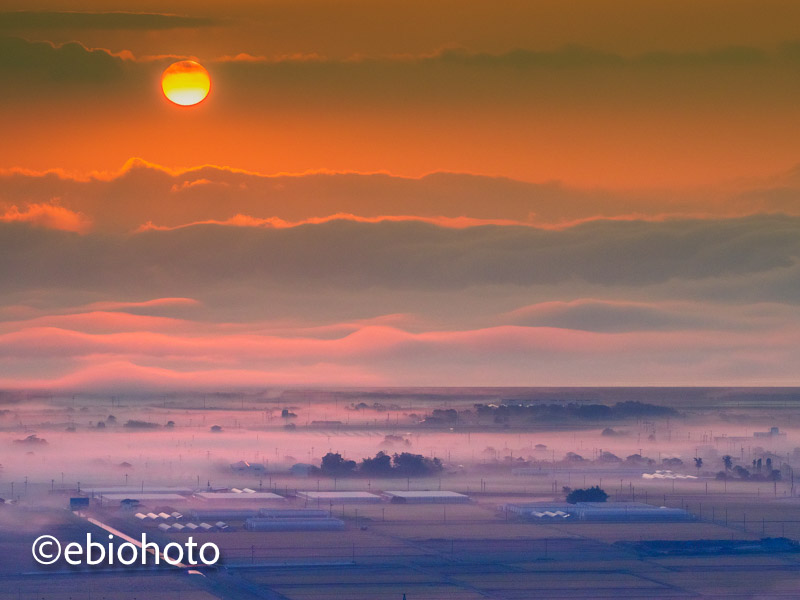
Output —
(516, 192)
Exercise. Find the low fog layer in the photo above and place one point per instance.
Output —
(194, 440)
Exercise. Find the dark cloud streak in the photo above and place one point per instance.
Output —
(347, 255)
(74, 20)
(21, 60)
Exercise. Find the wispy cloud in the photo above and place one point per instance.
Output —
(148, 196)
(277, 223)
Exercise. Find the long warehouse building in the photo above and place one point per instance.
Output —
(425, 497)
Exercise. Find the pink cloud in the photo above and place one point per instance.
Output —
(99, 322)
(119, 375)
(49, 216)
(506, 354)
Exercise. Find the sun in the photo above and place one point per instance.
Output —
(185, 83)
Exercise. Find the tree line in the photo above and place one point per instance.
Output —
(404, 464)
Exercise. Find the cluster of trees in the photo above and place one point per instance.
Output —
(761, 471)
(392, 439)
(504, 413)
(375, 406)
(32, 440)
(442, 416)
(134, 424)
(404, 464)
(631, 460)
(592, 494)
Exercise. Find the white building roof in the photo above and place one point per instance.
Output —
(426, 494)
(238, 496)
(136, 489)
(143, 497)
(338, 495)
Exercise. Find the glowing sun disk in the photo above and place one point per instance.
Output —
(185, 83)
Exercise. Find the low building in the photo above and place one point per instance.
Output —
(293, 513)
(772, 433)
(149, 499)
(294, 524)
(540, 510)
(597, 511)
(529, 472)
(221, 514)
(131, 490)
(129, 504)
(238, 497)
(425, 497)
(247, 468)
(323, 498)
(667, 474)
(628, 511)
(325, 424)
(78, 503)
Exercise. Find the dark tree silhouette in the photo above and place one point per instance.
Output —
(405, 464)
(573, 457)
(592, 494)
(409, 465)
(334, 464)
(380, 465)
(741, 472)
(727, 460)
(698, 463)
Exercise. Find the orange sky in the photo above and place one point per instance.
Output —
(398, 191)
(664, 95)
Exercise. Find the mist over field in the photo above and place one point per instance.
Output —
(498, 470)
(169, 438)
